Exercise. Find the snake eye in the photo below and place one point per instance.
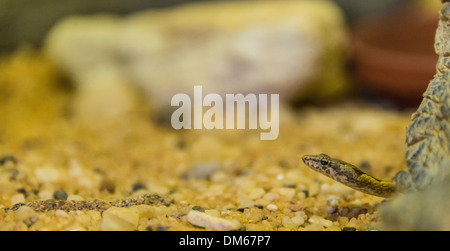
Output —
(323, 162)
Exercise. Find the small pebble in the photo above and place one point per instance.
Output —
(348, 229)
(287, 192)
(290, 185)
(75, 197)
(306, 192)
(287, 222)
(61, 213)
(47, 174)
(202, 170)
(331, 209)
(60, 195)
(17, 198)
(256, 193)
(108, 186)
(22, 191)
(24, 213)
(45, 195)
(120, 219)
(198, 208)
(259, 206)
(204, 220)
(319, 220)
(162, 228)
(137, 186)
(333, 200)
(297, 220)
(272, 207)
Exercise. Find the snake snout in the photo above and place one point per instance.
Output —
(305, 158)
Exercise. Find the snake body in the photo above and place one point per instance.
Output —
(349, 175)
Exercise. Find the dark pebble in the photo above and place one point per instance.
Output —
(137, 186)
(306, 192)
(259, 206)
(149, 228)
(30, 221)
(178, 216)
(108, 186)
(264, 218)
(243, 228)
(363, 211)
(60, 195)
(161, 228)
(290, 185)
(344, 211)
(22, 191)
(349, 229)
(7, 158)
(242, 209)
(198, 208)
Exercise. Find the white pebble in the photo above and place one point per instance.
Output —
(256, 193)
(212, 212)
(61, 213)
(320, 220)
(331, 209)
(246, 202)
(46, 174)
(119, 219)
(204, 220)
(333, 200)
(301, 214)
(45, 195)
(74, 197)
(272, 207)
(287, 222)
(356, 203)
(287, 192)
(24, 213)
(17, 198)
(298, 220)
(271, 196)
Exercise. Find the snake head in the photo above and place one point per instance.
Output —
(319, 162)
(324, 164)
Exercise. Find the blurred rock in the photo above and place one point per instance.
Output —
(423, 210)
(294, 48)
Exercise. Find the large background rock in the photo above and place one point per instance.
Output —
(294, 48)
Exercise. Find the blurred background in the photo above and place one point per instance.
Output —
(391, 52)
(314, 52)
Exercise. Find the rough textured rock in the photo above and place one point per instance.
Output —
(426, 205)
(290, 47)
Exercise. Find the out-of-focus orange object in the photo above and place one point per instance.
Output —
(394, 54)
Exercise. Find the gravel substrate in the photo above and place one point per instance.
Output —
(213, 180)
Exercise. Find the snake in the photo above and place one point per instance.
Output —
(427, 136)
(349, 175)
